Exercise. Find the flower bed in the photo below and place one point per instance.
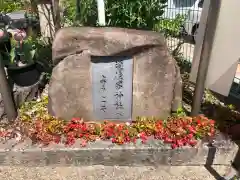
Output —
(38, 125)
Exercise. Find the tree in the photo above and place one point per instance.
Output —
(56, 14)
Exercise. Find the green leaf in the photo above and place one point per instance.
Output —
(12, 55)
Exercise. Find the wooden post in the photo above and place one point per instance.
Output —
(208, 38)
(6, 94)
(56, 14)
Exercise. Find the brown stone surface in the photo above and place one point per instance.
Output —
(156, 77)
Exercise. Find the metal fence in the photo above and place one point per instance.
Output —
(191, 11)
(235, 90)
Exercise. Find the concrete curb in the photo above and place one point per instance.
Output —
(105, 153)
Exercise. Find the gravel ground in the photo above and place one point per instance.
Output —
(109, 173)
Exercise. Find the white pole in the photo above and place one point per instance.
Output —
(101, 12)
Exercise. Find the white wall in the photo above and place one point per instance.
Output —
(225, 51)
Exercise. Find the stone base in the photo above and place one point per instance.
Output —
(154, 153)
(23, 94)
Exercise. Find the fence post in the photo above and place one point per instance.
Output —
(208, 39)
(101, 12)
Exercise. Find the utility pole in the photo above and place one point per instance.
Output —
(208, 38)
(101, 12)
(6, 94)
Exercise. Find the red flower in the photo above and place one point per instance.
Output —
(57, 139)
(192, 129)
(168, 140)
(134, 140)
(143, 137)
(127, 139)
(190, 136)
(84, 143)
(212, 122)
(159, 125)
(180, 142)
(199, 121)
(192, 143)
(178, 131)
(126, 132)
(70, 141)
(76, 120)
(211, 132)
(174, 146)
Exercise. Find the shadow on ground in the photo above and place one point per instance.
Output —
(225, 111)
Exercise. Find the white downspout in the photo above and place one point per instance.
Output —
(101, 12)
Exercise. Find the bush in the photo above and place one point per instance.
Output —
(87, 16)
(7, 6)
(170, 27)
(144, 14)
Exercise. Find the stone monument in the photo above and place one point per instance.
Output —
(112, 74)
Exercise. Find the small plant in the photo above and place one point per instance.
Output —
(144, 14)
(171, 27)
(231, 107)
(187, 130)
(7, 6)
(20, 53)
(180, 113)
(33, 109)
(26, 52)
(176, 131)
(87, 16)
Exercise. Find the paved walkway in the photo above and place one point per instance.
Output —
(109, 173)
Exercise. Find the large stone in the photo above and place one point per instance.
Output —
(156, 77)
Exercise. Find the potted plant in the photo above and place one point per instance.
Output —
(21, 62)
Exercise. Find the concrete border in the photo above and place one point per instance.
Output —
(154, 153)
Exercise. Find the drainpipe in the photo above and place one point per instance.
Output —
(101, 12)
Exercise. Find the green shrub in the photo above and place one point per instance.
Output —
(170, 27)
(144, 14)
(87, 16)
(7, 6)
